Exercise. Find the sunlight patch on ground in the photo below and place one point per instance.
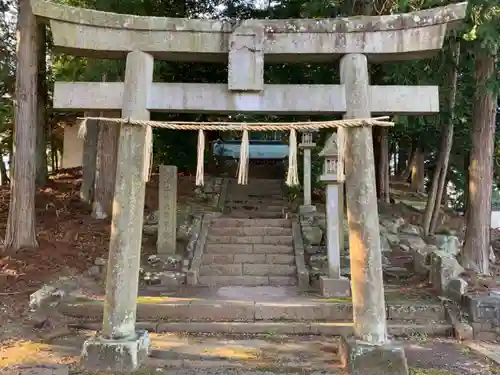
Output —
(239, 353)
(26, 352)
(414, 371)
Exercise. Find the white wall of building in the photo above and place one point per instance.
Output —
(72, 148)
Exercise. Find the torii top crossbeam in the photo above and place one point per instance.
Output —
(381, 38)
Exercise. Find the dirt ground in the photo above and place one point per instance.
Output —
(70, 239)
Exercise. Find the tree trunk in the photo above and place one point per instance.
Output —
(406, 174)
(466, 180)
(105, 175)
(444, 197)
(41, 130)
(418, 171)
(402, 161)
(89, 160)
(433, 207)
(447, 136)
(21, 223)
(477, 234)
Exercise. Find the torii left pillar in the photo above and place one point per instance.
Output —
(120, 347)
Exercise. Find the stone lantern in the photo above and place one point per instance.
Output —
(334, 285)
(307, 145)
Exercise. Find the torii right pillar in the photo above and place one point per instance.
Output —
(368, 352)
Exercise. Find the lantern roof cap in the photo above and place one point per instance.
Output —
(331, 147)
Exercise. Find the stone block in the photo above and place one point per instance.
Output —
(228, 248)
(273, 249)
(414, 242)
(312, 235)
(167, 217)
(221, 311)
(456, 288)
(279, 259)
(282, 280)
(420, 312)
(221, 270)
(484, 309)
(159, 311)
(335, 287)
(192, 277)
(361, 358)
(233, 280)
(220, 258)
(421, 259)
(101, 354)
(250, 258)
(444, 267)
(448, 244)
(277, 240)
(463, 331)
(250, 231)
(246, 59)
(307, 209)
(269, 269)
(300, 311)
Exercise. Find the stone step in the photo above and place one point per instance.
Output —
(241, 269)
(249, 214)
(219, 248)
(255, 207)
(250, 231)
(257, 204)
(276, 196)
(159, 309)
(261, 200)
(424, 313)
(247, 280)
(268, 223)
(279, 328)
(217, 258)
(266, 240)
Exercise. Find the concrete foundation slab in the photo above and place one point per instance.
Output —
(361, 358)
(335, 287)
(101, 354)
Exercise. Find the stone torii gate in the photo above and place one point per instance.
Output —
(245, 47)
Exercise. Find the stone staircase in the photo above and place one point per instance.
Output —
(252, 243)
(261, 198)
(250, 252)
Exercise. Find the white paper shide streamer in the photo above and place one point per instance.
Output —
(244, 158)
(200, 172)
(292, 178)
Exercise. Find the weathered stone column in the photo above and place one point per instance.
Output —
(307, 145)
(369, 353)
(167, 210)
(89, 158)
(120, 347)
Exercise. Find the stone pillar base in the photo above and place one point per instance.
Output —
(360, 358)
(101, 354)
(307, 209)
(335, 287)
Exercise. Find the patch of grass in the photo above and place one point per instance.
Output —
(494, 370)
(418, 371)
